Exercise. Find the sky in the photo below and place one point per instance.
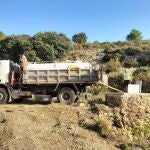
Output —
(101, 20)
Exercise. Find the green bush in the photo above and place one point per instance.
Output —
(108, 45)
(113, 65)
(131, 62)
(46, 46)
(144, 75)
(146, 47)
(11, 46)
(116, 80)
(96, 44)
(80, 38)
(77, 46)
(87, 46)
(117, 54)
(134, 35)
(141, 134)
(51, 43)
(124, 146)
(131, 51)
(144, 60)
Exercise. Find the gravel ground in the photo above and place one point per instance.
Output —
(45, 127)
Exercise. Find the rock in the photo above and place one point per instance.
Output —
(118, 123)
(82, 104)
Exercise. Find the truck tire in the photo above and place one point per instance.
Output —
(66, 95)
(18, 100)
(3, 96)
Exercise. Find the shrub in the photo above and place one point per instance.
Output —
(79, 38)
(77, 46)
(131, 62)
(134, 35)
(144, 59)
(105, 126)
(116, 80)
(113, 65)
(131, 51)
(141, 134)
(146, 47)
(31, 55)
(117, 54)
(96, 44)
(108, 45)
(109, 50)
(144, 75)
(53, 44)
(124, 146)
(87, 46)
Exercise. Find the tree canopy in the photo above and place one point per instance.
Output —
(134, 35)
(45, 46)
(80, 38)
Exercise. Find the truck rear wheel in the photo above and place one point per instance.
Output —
(3, 96)
(18, 100)
(66, 95)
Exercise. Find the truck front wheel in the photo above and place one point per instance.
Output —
(66, 95)
(3, 96)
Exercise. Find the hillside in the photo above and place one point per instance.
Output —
(88, 125)
(45, 127)
(113, 57)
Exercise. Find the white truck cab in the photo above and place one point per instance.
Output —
(4, 71)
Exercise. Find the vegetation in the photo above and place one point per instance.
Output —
(143, 74)
(2, 35)
(141, 134)
(41, 47)
(131, 62)
(134, 35)
(50, 46)
(115, 54)
(113, 65)
(80, 38)
(116, 80)
(140, 74)
(131, 51)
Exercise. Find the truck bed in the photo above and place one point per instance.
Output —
(60, 76)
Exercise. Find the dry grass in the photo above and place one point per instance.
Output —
(105, 126)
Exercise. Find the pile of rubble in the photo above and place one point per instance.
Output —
(125, 117)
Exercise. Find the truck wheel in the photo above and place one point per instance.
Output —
(3, 96)
(66, 95)
(18, 100)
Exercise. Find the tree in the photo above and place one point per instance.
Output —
(134, 35)
(44, 51)
(41, 47)
(12, 45)
(2, 35)
(57, 44)
(80, 38)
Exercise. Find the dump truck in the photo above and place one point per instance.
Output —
(64, 80)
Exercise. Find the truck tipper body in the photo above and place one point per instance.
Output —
(65, 80)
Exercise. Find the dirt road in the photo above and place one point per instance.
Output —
(47, 127)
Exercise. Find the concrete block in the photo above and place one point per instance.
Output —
(134, 88)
